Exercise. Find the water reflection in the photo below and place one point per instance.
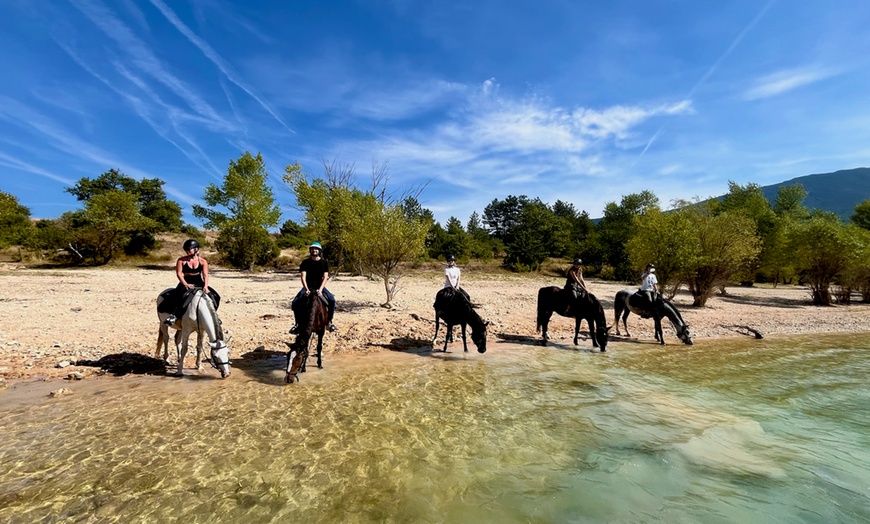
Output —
(750, 431)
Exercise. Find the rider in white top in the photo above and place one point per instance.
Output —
(452, 276)
(649, 286)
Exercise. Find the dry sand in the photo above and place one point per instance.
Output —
(49, 318)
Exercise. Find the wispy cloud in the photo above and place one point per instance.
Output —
(144, 58)
(784, 81)
(216, 59)
(21, 165)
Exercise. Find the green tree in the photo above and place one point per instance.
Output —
(529, 243)
(667, 240)
(15, 225)
(104, 228)
(723, 245)
(371, 234)
(861, 217)
(502, 216)
(822, 247)
(617, 227)
(243, 235)
(480, 244)
(149, 195)
(382, 238)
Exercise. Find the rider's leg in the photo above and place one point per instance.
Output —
(295, 328)
(330, 298)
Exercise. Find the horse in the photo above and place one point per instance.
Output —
(553, 299)
(200, 316)
(455, 308)
(313, 319)
(628, 301)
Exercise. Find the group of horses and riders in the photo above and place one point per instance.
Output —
(192, 306)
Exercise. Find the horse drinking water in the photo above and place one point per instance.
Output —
(583, 306)
(627, 301)
(312, 318)
(200, 316)
(455, 309)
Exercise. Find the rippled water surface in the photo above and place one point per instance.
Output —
(725, 431)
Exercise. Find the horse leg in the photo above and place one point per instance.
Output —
(577, 321)
(624, 322)
(544, 325)
(184, 334)
(163, 340)
(199, 336)
(592, 333)
(660, 336)
(449, 328)
(464, 344)
(437, 325)
(319, 350)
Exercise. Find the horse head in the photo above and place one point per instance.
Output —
(478, 336)
(295, 358)
(220, 356)
(684, 335)
(601, 335)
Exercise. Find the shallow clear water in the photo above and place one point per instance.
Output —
(776, 430)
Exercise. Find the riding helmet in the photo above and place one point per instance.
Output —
(578, 261)
(190, 244)
(315, 245)
(451, 258)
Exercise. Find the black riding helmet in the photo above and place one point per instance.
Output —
(578, 261)
(190, 244)
(451, 258)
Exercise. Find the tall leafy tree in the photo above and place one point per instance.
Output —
(502, 216)
(667, 240)
(377, 236)
(529, 243)
(243, 229)
(822, 246)
(861, 217)
(617, 227)
(149, 195)
(104, 228)
(724, 244)
(15, 225)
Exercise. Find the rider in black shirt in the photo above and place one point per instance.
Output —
(314, 272)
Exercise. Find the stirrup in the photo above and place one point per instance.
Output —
(294, 330)
(170, 320)
(332, 327)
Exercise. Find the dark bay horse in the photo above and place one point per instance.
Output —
(456, 309)
(627, 301)
(553, 299)
(312, 318)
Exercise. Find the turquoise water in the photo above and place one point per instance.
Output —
(724, 431)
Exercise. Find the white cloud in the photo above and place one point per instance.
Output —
(784, 81)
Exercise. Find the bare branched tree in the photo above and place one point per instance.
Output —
(338, 174)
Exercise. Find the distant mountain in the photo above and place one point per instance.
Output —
(838, 192)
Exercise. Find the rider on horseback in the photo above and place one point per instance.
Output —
(452, 276)
(575, 286)
(192, 272)
(314, 272)
(650, 284)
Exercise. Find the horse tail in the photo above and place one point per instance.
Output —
(542, 299)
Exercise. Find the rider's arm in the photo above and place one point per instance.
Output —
(323, 282)
(458, 277)
(304, 284)
(204, 274)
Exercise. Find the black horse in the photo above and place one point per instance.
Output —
(311, 317)
(583, 306)
(455, 308)
(627, 301)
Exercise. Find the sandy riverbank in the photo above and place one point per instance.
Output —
(52, 317)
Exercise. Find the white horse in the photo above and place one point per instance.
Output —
(200, 316)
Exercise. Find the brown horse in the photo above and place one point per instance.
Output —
(583, 306)
(311, 317)
(455, 308)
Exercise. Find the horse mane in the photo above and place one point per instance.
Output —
(219, 330)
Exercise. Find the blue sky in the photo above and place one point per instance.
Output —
(580, 101)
